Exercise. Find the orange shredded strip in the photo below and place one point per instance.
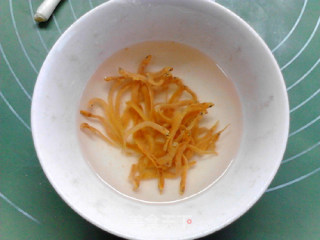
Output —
(114, 78)
(105, 124)
(161, 181)
(120, 94)
(133, 76)
(96, 131)
(201, 151)
(144, 63)
(183, 174)
(145, 124)
(164, 134)
(138, 110)
(174, 105)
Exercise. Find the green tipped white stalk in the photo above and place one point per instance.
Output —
(45, 10)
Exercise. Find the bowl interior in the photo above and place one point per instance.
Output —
(211, 29)
(204, 77)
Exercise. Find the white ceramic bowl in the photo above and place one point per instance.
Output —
(204, 25)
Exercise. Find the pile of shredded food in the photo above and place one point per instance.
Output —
(159, 123)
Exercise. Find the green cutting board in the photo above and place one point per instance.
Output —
(31, 209)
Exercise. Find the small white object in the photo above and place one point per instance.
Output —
(45, 10)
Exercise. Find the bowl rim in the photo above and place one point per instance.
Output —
(284, 139)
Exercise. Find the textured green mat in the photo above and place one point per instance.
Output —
(31, 209)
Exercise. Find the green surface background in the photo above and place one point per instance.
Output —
(31, 209)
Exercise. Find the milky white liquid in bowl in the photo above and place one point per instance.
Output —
(203, 76)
